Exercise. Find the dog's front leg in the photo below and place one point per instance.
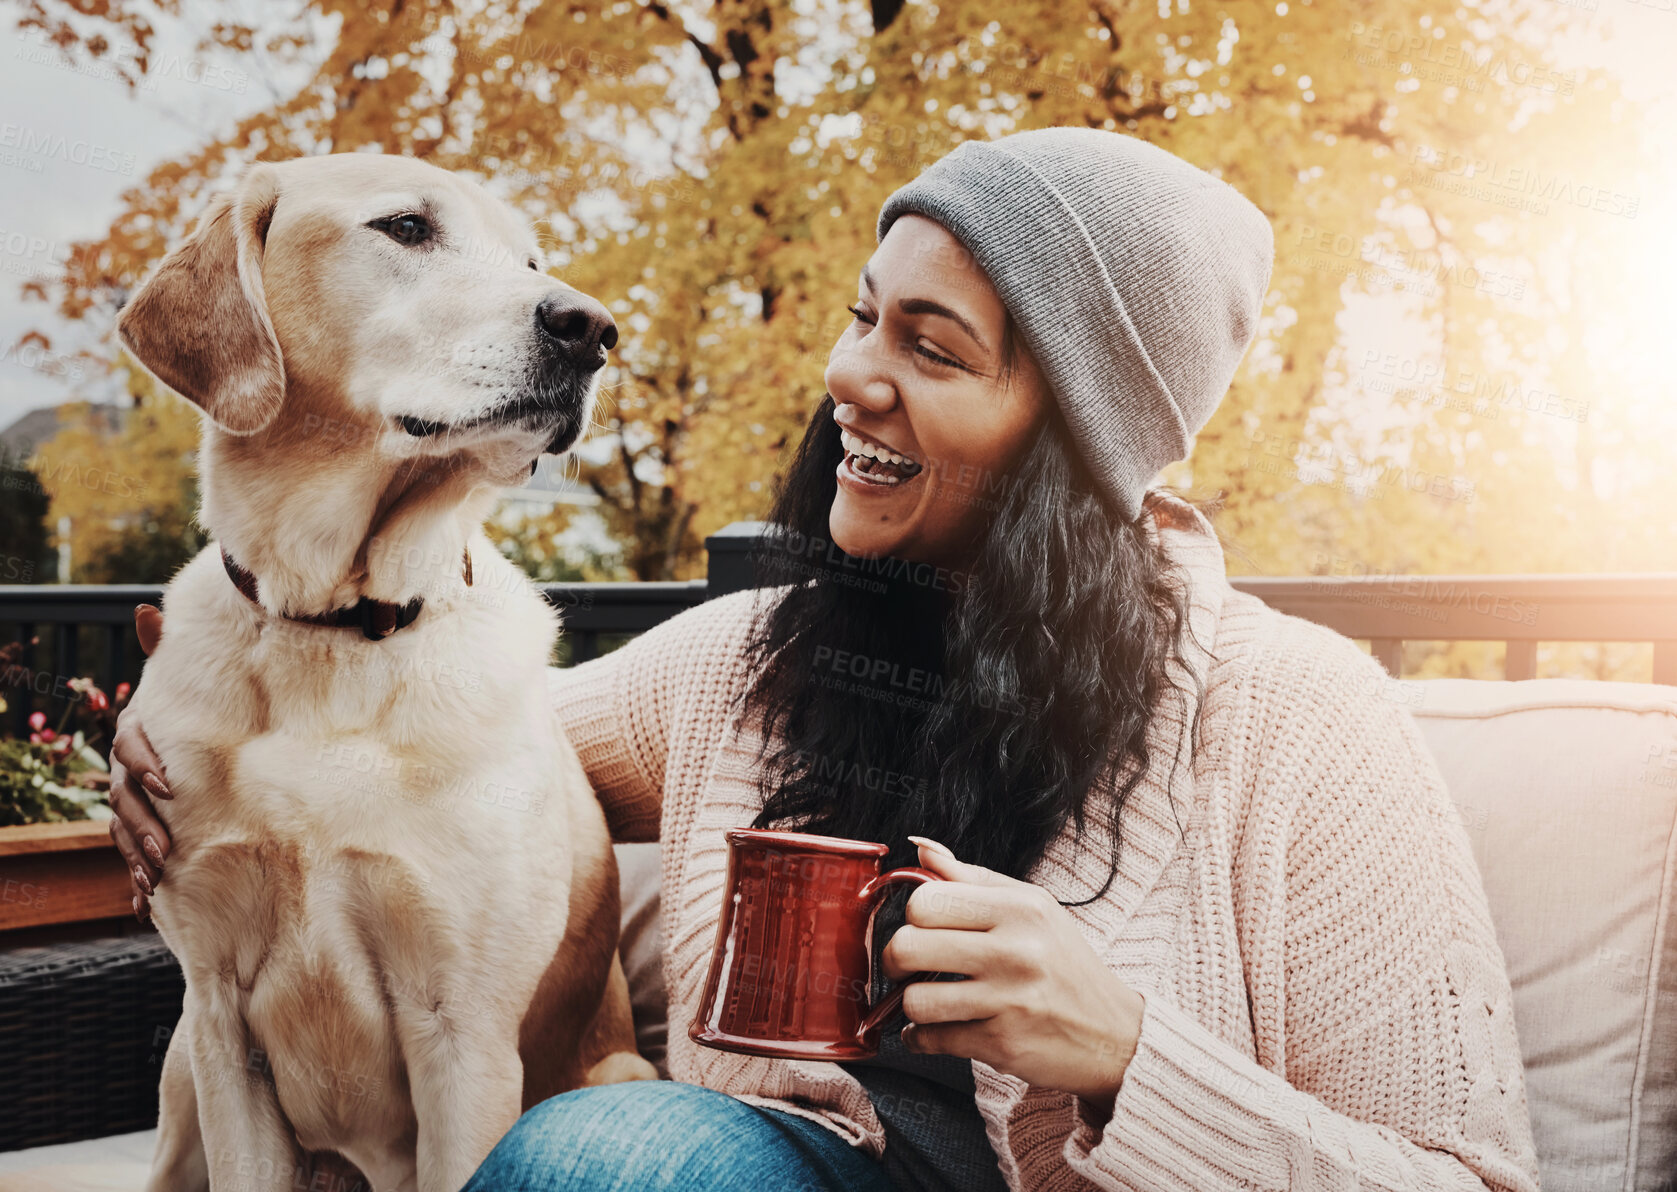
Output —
(248, 1144)
(177, 1165)
(468, 1088)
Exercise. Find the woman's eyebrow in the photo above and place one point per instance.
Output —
(928, 306)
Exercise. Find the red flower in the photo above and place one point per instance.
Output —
(37, 720)
(48, 735)
(122, 690)
(97, 699)
(34, 738)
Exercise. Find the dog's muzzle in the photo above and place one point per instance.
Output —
(573, 335)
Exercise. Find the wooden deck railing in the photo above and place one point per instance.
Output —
(1518, 610)
(88, 629)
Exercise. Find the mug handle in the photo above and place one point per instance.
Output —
(870, 895)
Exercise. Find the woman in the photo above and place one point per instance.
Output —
(1217, 925)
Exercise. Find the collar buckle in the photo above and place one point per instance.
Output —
(377, 619)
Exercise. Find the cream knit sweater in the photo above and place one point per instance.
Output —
(1326, 1003)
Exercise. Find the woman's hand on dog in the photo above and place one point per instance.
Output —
(137, 776)
(1038, 1004)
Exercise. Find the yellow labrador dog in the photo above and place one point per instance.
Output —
(391, 889)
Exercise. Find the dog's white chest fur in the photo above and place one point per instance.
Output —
(364, 832)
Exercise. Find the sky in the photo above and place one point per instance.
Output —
(71, 141)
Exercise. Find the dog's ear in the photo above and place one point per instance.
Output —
(200, 323)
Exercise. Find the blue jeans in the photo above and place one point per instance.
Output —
(661, 1134)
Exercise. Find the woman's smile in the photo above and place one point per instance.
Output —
(872, 468)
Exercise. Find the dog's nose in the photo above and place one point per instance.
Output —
(581, 327)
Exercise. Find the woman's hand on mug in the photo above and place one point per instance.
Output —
(1039, 1004)
(137, 776)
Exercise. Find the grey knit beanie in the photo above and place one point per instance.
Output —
(1135, 278)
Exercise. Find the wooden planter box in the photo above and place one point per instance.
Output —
(61, 873)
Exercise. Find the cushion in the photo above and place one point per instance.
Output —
(641, 945)
(1568, 791)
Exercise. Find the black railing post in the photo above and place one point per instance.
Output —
(21, 695)
(66, 654)
(116, 657)
(731, 564)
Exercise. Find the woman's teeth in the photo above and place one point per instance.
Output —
(877, 463)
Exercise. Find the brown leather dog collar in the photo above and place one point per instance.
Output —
(376, 619)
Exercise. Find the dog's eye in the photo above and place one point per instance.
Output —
(405, 229)
(536, 267)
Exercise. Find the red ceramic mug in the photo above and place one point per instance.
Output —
(792, 970)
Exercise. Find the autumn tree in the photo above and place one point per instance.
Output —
(24, 554)
(128, 493)
(712, 171)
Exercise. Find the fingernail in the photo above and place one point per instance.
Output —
(154, 784)
(142, 880)
(933, 845)
(139, 910)
(149, 843)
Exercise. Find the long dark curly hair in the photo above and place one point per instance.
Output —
(982, 709)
